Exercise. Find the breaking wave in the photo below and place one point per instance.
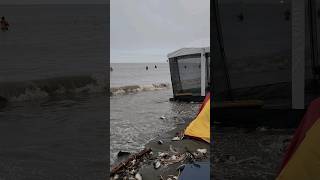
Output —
(138, 88)
(59, 86)
(43, 88)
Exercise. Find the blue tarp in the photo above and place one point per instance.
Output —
(198, 170)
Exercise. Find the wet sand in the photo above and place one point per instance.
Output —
(242, 154)
(147, 169)
(150, 173)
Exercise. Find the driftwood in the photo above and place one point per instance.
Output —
(123, 164)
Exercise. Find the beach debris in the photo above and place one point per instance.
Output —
(129, 166)
(173, 157)
(156, 164)
(138, 176)
(181, 167)
(172, 149)
(163, 155)
(160, 142)
(163, 117)
(203, 151)
(123, 153)
(176, 138)
(172, 177)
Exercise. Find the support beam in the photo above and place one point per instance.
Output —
(298, 53)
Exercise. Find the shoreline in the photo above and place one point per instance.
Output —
(147, 169)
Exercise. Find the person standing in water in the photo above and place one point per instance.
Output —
(4, 24)
(155, 66)
(147, 68)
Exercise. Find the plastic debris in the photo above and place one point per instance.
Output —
(176, 138)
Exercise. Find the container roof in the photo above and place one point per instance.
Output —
(187, 51)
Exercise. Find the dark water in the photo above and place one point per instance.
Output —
(54, 139)
(53, 72)
(46, 41)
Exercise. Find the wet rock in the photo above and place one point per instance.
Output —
(162, 117)
(160, 142)
(123, 153)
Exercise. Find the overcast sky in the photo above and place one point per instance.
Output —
(147, 30)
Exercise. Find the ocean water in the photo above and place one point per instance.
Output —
(137, 103)
(136, 74)
(53, 72)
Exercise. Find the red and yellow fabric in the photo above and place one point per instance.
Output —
(200, 126)
(302, 160)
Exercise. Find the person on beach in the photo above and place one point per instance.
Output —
(4, 24)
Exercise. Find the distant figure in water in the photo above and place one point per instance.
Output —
(4, 24)
(147, 68)
(111, 69)
(155, 66)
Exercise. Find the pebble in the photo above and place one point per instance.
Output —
(157, 164)
(138, 176)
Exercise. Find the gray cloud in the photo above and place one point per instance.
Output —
(147, 30)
